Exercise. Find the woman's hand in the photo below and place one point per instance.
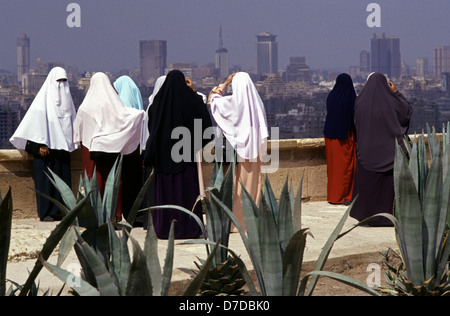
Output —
(392, 86)
(190, 84)
(44, 151)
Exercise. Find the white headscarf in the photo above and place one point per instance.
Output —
(242, 117)
(145, 134)
(104, 123)
(49, 120)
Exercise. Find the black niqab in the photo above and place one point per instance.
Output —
(175, 105)
(340, 108)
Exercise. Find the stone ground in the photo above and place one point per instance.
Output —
(351, 255)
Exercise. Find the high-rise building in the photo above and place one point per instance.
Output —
(298, 70)
(23, 56)
(222, 63)
(153, 59)
(266, 54)
(364, 61)
(385, 55)
(441, 60)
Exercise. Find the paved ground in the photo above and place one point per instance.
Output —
(320, 217)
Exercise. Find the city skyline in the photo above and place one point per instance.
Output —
(330, 35)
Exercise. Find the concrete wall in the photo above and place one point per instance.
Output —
(297, 157)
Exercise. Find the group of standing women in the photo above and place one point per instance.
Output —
(361, 134)
(111, 121)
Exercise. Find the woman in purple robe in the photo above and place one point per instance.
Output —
(382, 117)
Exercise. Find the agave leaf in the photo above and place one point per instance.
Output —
(270, 198)
(120, 257)
(112, 190)
(218, 224)
(251, 242)
(432, 215)
(271, 259)
(106, 285)
(64, 190)
(184, 210)
(342, 278)
(153, 264)
(409, 215)
(168, 262)
(196, 283)
(285, 218)
(69, 239)
(327, 249)
(414, 164)
(77, 284)
(292, 263)
(139, 199)
(139, 282)
(296, 206)
(6, 210)
(52, 242)
(218, 179)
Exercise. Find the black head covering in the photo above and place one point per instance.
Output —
(340, 108)
(381, 118)
(175, 105)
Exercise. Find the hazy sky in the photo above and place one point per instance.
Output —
(329, 33)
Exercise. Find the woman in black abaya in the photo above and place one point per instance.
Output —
(176, 176)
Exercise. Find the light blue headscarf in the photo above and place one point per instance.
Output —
(129, 92)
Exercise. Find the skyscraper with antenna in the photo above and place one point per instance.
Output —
(222, 66)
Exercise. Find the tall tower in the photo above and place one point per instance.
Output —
(222, 65)
(153, 59)
(441, 60)
(385, 54)
(23, 56)
(266, 54)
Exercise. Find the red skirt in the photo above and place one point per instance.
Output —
(341, 162)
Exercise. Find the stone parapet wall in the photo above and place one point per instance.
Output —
(297, 157)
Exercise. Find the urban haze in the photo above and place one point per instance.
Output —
(293, 50)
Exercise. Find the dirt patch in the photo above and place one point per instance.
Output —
(354, 266)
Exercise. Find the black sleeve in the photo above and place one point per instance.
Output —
(33, 148)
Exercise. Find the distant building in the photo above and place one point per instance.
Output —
(9, 121)
(266, 54)
(32, 82)
(153, 59)
(222, 59)
(297, 70)
(364, 61)
(23, 56)
(385, 55)
(441, 60)
(185, 68)
(421, 67)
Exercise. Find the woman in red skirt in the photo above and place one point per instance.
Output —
(340, 140)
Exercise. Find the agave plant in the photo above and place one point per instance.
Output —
(275, 243)
(104, 254)
(421, 215)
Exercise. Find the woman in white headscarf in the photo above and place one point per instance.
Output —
(105, 128)
(46, 132)
(242, 119)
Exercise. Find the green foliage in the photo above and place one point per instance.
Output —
(422, 214)
(225, 279)
(275, 243)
